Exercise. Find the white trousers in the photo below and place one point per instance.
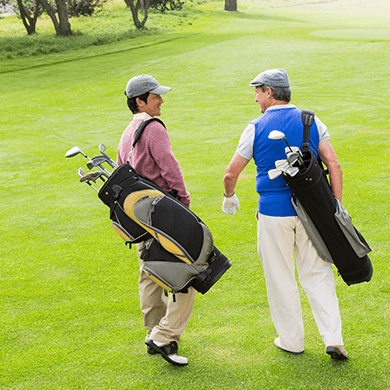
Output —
(278, 238)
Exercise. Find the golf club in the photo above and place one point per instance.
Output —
(291, 171)
(88, 177)
(278, 163)
(274, 173)
(283, 167)
(81, 173)
(94, 176)
(74, 152)
(292, 158)
(97, 161)
(101, 175)
(110, 161)
(277, 135)
(295, 150)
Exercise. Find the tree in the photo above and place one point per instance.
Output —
(28, 10)
(61, 25)
(166, 5)
(78, 8)
(135, 6)
(230, 5)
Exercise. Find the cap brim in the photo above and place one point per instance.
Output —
(160, 90)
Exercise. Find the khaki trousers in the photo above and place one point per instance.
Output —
(164, 319)
(278, 238)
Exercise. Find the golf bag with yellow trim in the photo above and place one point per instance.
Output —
(178, 248)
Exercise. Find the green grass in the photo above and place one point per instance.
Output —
(70, 315)
(113, 24)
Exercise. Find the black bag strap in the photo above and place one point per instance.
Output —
(141, 129)
(307, 120)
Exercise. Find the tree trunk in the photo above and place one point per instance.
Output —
(50, 11)
(145, 10)
(28, 21)
(62, 25)
(230, 5)
(134, 8)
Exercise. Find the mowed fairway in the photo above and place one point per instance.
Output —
(70, 316)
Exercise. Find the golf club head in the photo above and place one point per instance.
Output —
(94, 176)
(283, 167)
(97, 161)
(73, 152)
(278, 163)
(292, 171)
(110, 161)
(84, 178)
(81, 172)
(89, 176)
(276, 135)
(274, 173)
(292, 158)
(293, 149)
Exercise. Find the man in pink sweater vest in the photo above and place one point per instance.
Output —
(152, 156)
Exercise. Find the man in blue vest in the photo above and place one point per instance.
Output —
(280, 233)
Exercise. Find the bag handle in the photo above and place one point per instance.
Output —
(141, 129)
(307, 120)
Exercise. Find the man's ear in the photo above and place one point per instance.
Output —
(139, 102)
(270, 92)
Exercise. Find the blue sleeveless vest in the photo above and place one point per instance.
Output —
(275, 195)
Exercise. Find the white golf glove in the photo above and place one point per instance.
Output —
(230, 204)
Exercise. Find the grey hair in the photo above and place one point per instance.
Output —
(279, 93)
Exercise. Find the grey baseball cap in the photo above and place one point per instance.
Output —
(271, 78)
(138, 85)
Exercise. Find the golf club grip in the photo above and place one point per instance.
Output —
(307, 120)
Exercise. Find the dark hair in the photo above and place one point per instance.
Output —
(132, 103)
(280, 93)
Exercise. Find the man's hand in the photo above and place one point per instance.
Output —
(230, 204)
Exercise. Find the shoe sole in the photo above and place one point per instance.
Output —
(152, 345)
(335, 353)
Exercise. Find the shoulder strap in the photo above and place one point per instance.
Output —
(307, 120)
(141, 128)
